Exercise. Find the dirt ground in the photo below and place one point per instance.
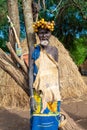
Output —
(78, 112)
(14, 119)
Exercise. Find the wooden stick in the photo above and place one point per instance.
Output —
(16, 74)
(21, 63)
(6, 57)
(16, 37)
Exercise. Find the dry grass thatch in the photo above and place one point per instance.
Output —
(71, 82)
(11, 95)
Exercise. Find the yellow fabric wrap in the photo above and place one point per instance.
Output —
(51, 106)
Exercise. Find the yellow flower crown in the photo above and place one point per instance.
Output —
(43, 24)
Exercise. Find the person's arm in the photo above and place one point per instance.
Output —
(53, 51)
(31, 62)
(56, 54)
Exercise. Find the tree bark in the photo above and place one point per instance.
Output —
(15, 72)
(17, 59)
(28, 17)
(70, 125)
(44, 4)
(14, 14)
(31, 39)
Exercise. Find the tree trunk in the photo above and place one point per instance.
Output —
(39, 4)
(31, 40)
(7, 64)
(14, 14)
(70, 125)
(44, 4)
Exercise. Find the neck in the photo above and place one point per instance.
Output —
(44, 47)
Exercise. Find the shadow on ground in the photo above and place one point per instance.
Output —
(78, 112)
(14, 119)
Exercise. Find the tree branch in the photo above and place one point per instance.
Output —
(80, 9)
(62, 9)
(70, 125)
(6, 57)
(16, 37)
(15, 74)
(19, 61)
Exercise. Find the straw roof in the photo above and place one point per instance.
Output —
(11, 95)
(71, 82)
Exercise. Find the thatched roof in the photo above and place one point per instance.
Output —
(71, 82)
(11, 95)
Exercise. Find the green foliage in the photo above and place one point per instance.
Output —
(3, 25)
(79, 50)
(3, 45)
(69, 23)
(83, 5)
(3, 12)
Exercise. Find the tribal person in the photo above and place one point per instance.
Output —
(45, 99)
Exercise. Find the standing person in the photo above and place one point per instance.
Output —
(45, 96)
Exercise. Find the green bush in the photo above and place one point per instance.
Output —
(79, 50)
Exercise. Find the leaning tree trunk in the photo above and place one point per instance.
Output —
(31, 39)
(70, 125)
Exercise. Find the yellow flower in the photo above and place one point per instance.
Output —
(43, 24)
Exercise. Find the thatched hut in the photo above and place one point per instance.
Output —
(11, 95)
(71, 82)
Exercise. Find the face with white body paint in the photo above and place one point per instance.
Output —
(44, 35)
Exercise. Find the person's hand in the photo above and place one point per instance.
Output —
(32, 104)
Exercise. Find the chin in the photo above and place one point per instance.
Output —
(44, 42)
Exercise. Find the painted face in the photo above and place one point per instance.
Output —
(44, 35)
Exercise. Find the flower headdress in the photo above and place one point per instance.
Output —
(43, 24)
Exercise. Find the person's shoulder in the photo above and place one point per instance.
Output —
(36, 52)
(37, 46)
(53, 48)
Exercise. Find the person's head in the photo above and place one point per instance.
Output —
(44, 35)
(43, 30)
